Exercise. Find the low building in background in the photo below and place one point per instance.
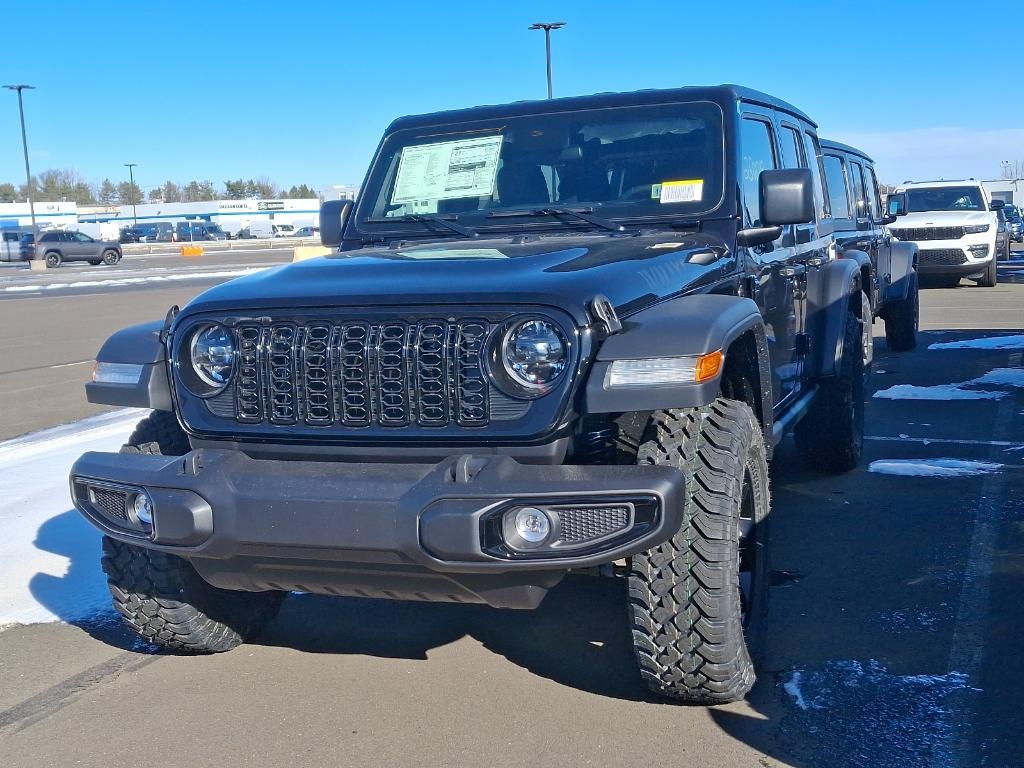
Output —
(1010, 190)
(48, 215)
(231, 215)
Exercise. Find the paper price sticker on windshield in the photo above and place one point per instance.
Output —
(447, 170)
(686, 191)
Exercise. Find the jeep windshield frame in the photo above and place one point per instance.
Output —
(627, 164)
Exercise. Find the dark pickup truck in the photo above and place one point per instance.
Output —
(551, 337)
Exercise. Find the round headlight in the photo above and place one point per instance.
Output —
(534, 354)
(213, 355)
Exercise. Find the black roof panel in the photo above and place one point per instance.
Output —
(829, 144)
(718, 93)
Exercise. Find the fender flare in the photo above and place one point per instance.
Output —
(139, 346)
(827, 307)
(903, 261)
(863, 260)
(681, 327)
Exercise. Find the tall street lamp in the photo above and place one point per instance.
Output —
(131, 182)
(547, 26)
(24, 145)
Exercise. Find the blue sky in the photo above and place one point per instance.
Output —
(301, 91)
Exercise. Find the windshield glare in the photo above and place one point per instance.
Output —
(944, 199)
(630, 162)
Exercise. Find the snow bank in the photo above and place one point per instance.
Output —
(50, 555)
(118, 282)
(985, 342)
(933, 467)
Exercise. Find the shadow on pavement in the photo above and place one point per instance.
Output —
(80, 596)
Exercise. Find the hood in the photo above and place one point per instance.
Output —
(561, 271)
(944, 219)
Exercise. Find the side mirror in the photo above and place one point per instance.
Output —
(787, 197)
(995, 205)
(896, 204)
(888, 218)
(333, 215)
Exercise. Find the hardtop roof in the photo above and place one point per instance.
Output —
(717, 93)
(837, 145)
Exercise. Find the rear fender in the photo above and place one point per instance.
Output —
(828, 305)
(904, 264)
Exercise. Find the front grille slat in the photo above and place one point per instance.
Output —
(928, 233)
(359, 373)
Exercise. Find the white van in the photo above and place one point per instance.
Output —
(263, 229)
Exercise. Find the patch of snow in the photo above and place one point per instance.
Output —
(937, 392)
(861, 715)
(985, 342)
(1002, 377)
(50, 555)
(933, 467)
(120, 282)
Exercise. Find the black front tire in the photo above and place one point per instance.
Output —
(110, 258)
(991, 277)
(697, 601)
(902, 319)
(831, 435)
(53, 259)
(160, 596)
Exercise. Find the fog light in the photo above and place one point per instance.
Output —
(143, 508)
(532, 524)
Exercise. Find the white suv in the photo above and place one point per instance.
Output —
(954, 225)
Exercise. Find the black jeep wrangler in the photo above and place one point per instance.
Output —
(554, 336)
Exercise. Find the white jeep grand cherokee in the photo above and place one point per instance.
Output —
(954, 226)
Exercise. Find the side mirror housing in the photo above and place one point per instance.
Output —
(896, 204)
(996, 205)
(787, 197)
(333, 215)
(888, 218)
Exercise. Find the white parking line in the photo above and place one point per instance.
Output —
(942, 441)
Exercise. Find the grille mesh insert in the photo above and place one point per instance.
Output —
(942, 256)
(357, 373)
(579, 524)
(110, 502)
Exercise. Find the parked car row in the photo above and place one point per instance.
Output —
(201, 230)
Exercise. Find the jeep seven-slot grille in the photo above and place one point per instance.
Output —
(358, 373)
(928, 233)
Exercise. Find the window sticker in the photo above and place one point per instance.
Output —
(450, 169)
(685, 191)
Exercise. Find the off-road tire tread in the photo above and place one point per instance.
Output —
(683, 594)
(831, 435)
(159, 434)
(901, 320)
(160, 596)
(166, 602)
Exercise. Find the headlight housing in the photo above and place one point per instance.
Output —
(977, 229)
(211, 359)
(530, 357)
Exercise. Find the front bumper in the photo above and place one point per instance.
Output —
(966, 256)
(404, 531)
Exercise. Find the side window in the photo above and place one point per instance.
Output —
(838, 195)
(873, 198)
(758, 155)
(859, 198)
(814, 162)
(792, 157)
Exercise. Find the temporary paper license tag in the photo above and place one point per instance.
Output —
(686, 191)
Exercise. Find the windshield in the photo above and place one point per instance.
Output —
(650, 161)
(1012, 212)
(944, 199)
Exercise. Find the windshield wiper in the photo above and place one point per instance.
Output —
(448, 222)
(580, 214)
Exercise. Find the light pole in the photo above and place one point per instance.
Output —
(24, 145)
(131, 182)
(547, 26)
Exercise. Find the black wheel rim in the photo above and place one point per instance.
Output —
(748, 550)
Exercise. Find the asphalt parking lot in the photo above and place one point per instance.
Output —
(893, 635)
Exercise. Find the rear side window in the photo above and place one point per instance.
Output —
(49, 237)
(758, 155)
(838, 195)
(814, 162)
(792, 157)
(872, 191)
(859, 198)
